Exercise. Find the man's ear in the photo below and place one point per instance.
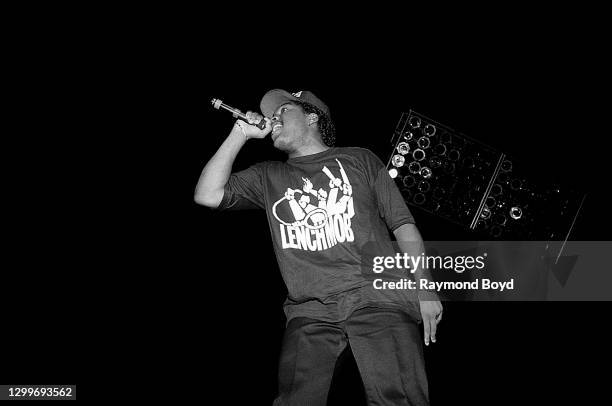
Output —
(313, 118)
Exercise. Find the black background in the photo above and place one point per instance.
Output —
(118, 276)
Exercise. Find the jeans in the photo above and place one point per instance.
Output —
(387, 347)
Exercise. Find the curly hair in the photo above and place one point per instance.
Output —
(325, 124)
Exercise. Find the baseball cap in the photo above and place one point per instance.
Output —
(277, 97)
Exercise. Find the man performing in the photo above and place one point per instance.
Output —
(325, 206)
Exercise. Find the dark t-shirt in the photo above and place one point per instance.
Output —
(324, 210)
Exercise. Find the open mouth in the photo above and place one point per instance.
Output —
(276, 129)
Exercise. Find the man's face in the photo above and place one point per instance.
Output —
(289, 126)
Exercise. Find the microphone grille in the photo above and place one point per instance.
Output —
(216, 103)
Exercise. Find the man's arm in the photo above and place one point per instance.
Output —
(410, 241)
(209, 191)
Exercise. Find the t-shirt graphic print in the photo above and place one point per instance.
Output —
(320, 218)
(323, 211)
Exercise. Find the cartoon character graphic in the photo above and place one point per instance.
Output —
(319, 213)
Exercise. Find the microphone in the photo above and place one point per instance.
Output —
(236, 113)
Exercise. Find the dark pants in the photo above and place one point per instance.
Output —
(387, 348)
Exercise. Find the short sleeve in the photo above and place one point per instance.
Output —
(244, 190)
(391, 204)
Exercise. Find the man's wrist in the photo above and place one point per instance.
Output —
(238, 134)
(428, 295)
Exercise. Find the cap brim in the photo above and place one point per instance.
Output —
(273, 100)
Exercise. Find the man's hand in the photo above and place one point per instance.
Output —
(431, 312)
(251, 131)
